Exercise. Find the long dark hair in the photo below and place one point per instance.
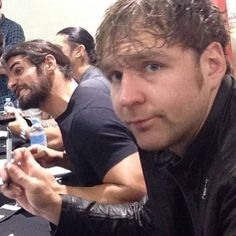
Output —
(79, 35)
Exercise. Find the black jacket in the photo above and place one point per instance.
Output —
(194, 195)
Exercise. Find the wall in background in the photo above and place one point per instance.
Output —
(43, 18)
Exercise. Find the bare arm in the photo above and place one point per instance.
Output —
(54, 138)
(29, 186)
(122, 183)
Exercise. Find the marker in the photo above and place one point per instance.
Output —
(8, 147)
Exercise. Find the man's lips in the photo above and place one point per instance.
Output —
(143, 123)
(18, 91)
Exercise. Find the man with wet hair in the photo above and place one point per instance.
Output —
(171, 84)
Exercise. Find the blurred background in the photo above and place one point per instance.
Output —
(42, 19)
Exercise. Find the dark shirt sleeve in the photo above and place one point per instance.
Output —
(82, 217)
(102, 139)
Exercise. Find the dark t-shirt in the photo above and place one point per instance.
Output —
(94, 138)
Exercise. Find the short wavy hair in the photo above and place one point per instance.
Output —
(192, 24)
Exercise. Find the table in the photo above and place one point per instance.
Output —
(21, 223)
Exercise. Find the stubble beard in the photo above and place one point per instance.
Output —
(38, 94)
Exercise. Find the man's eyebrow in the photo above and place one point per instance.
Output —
(108, 62)
(148, 53)
(15, 63)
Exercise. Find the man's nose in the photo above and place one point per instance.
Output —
(10, 82)
(130, 90)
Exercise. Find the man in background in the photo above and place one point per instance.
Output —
(100, 149)
(12, 33)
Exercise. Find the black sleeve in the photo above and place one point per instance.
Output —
(102, 139)
(82, 217)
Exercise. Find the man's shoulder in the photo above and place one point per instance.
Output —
(94, 78)
(8, 21)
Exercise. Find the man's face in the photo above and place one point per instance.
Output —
(159, 92)
(30, 86)
(61, 41)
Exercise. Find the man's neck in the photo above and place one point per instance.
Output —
(80, 70)
(59, 98)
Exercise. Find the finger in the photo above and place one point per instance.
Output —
(34, 149)
(11, 190)
(25, 159)
(4, 174)
(17, 176)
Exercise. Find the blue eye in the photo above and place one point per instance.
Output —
(152, 67)
(115, 75)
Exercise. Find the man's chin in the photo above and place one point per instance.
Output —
(145, 145)
(25, 106)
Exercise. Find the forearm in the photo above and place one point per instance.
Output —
(81, 217)
(54, 138)
(104, 193)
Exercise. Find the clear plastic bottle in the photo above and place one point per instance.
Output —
(9, 107)
(37, 132)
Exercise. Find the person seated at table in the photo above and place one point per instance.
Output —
(13, 33)
(79, 46)
(101, 150)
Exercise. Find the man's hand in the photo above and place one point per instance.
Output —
(19, 126)
(31, 186)
(47, 157)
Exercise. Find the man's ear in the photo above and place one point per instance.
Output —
(79, 51)
(213, 63)
(50, 63)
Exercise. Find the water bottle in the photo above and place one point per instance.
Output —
(9, 106)
(37, 132)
